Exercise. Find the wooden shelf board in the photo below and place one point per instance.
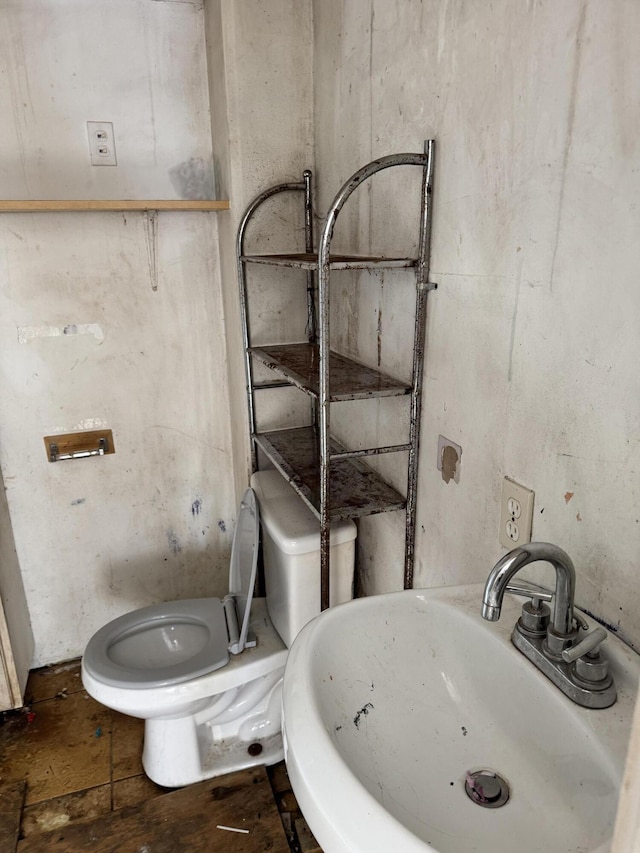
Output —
(356, 490)
(71, 205)
(349, 380)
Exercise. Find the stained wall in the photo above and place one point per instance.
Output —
(532, 335)
(111, 320)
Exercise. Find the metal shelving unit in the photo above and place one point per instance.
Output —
(334, 481)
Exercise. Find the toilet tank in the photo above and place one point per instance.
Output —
(291, 553)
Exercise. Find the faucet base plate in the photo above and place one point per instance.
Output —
(562, 674)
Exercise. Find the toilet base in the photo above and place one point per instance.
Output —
(215, 740)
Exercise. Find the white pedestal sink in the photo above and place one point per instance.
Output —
(390, 701)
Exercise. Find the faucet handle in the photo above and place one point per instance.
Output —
(535, 616)
(581, 622)
(530, 590)
(586, 645)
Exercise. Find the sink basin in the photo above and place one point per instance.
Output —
(392, 701)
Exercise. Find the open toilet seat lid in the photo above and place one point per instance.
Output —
(243, 567)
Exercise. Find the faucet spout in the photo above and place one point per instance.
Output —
(490, 612)
(517, 559)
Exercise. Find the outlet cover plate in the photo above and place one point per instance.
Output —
(102, 143)
(516, 514)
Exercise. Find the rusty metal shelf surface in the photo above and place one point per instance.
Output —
(349, 380)
(355, 489)
(309, 261)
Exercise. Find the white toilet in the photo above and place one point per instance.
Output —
(205, 674)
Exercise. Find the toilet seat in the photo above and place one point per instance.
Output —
(177, 641)
(123, 652)
(153, 700)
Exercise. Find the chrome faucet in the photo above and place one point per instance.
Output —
(517, 559)
(573, 663)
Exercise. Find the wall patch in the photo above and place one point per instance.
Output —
(30, 333)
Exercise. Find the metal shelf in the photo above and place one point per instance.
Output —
(355, 489)
(309, 261)
(333, 480)
(350, 380)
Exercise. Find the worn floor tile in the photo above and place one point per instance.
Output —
(192, 818)
(11, 801)
(135, 790)
(286, 802)
(56, 813)
(306, 840)
(127, 736)
(61, 747)
(279, 777)
(50, 681)
(69, 748)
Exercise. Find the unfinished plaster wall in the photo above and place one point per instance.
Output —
(108, 320)
(261, 87)
(532, 336)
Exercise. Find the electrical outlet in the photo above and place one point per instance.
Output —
(516, 514)
(102, 143)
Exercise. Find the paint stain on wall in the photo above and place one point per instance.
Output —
(222, 525)
(78, 501)
(193, 179)
(196, 507)
(89, 423)
(174, 542)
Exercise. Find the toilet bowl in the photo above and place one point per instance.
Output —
(206, 674)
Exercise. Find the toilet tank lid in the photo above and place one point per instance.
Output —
(289, 521)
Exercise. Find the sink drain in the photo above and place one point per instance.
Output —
(486, 788)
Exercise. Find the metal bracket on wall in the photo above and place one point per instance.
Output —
(79, 445)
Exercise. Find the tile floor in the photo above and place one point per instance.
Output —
(81, 760)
